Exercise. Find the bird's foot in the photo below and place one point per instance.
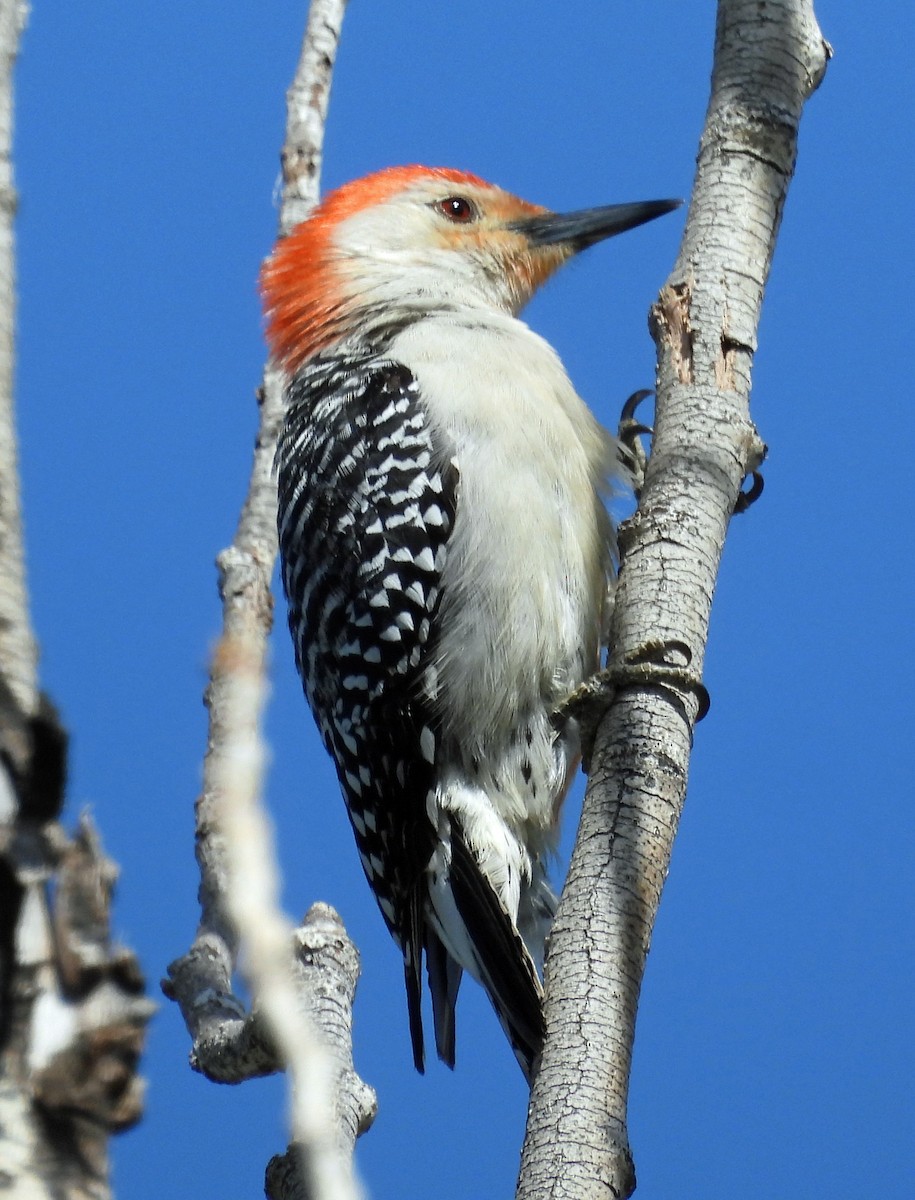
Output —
(756, 456)
(629, 433)
(651, 664)
(752, 493)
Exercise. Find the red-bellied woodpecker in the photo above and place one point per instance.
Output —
(445, 553)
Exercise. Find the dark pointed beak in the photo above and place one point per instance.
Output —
(579, 230)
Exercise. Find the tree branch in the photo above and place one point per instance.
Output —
(18, 650)
(303, 1009)
(72, 1009)
(768, 60)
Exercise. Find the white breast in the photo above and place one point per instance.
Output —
(525, 575)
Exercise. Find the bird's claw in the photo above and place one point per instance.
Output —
(756, 456)
(648, 665)
(751, 495)
(629, 432)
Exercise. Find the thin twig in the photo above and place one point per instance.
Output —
(267, 936)
(234, 848)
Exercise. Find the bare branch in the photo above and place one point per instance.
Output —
(18, 650)
(768, 60)
(72, 1009)
(252, 902)
(306, 112)
(303, 1014)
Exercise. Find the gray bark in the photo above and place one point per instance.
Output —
(72, 1010)
(74, 1014)
(769, 58)
(305, 984)
(18, 652)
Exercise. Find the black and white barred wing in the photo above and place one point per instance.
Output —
(365, 515)
(364, 521)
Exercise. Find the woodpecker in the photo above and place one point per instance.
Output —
(446, 555)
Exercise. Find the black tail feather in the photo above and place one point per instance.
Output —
(413, 966)
(506, 967)
(444, 981)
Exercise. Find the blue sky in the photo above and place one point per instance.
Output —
(774, 1052)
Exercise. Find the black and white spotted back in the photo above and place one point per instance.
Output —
(365, 515)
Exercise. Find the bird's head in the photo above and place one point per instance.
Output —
(408, 241)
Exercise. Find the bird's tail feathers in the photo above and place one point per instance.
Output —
(444, 980)
(503, 962)
(413, 977)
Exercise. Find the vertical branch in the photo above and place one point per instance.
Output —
(306, 113)
(300, 1020)
(768, 60)
(18, 652)
(246, 566)
(253, 906)
(72, 1009)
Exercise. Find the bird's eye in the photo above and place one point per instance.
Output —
(457, 209)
